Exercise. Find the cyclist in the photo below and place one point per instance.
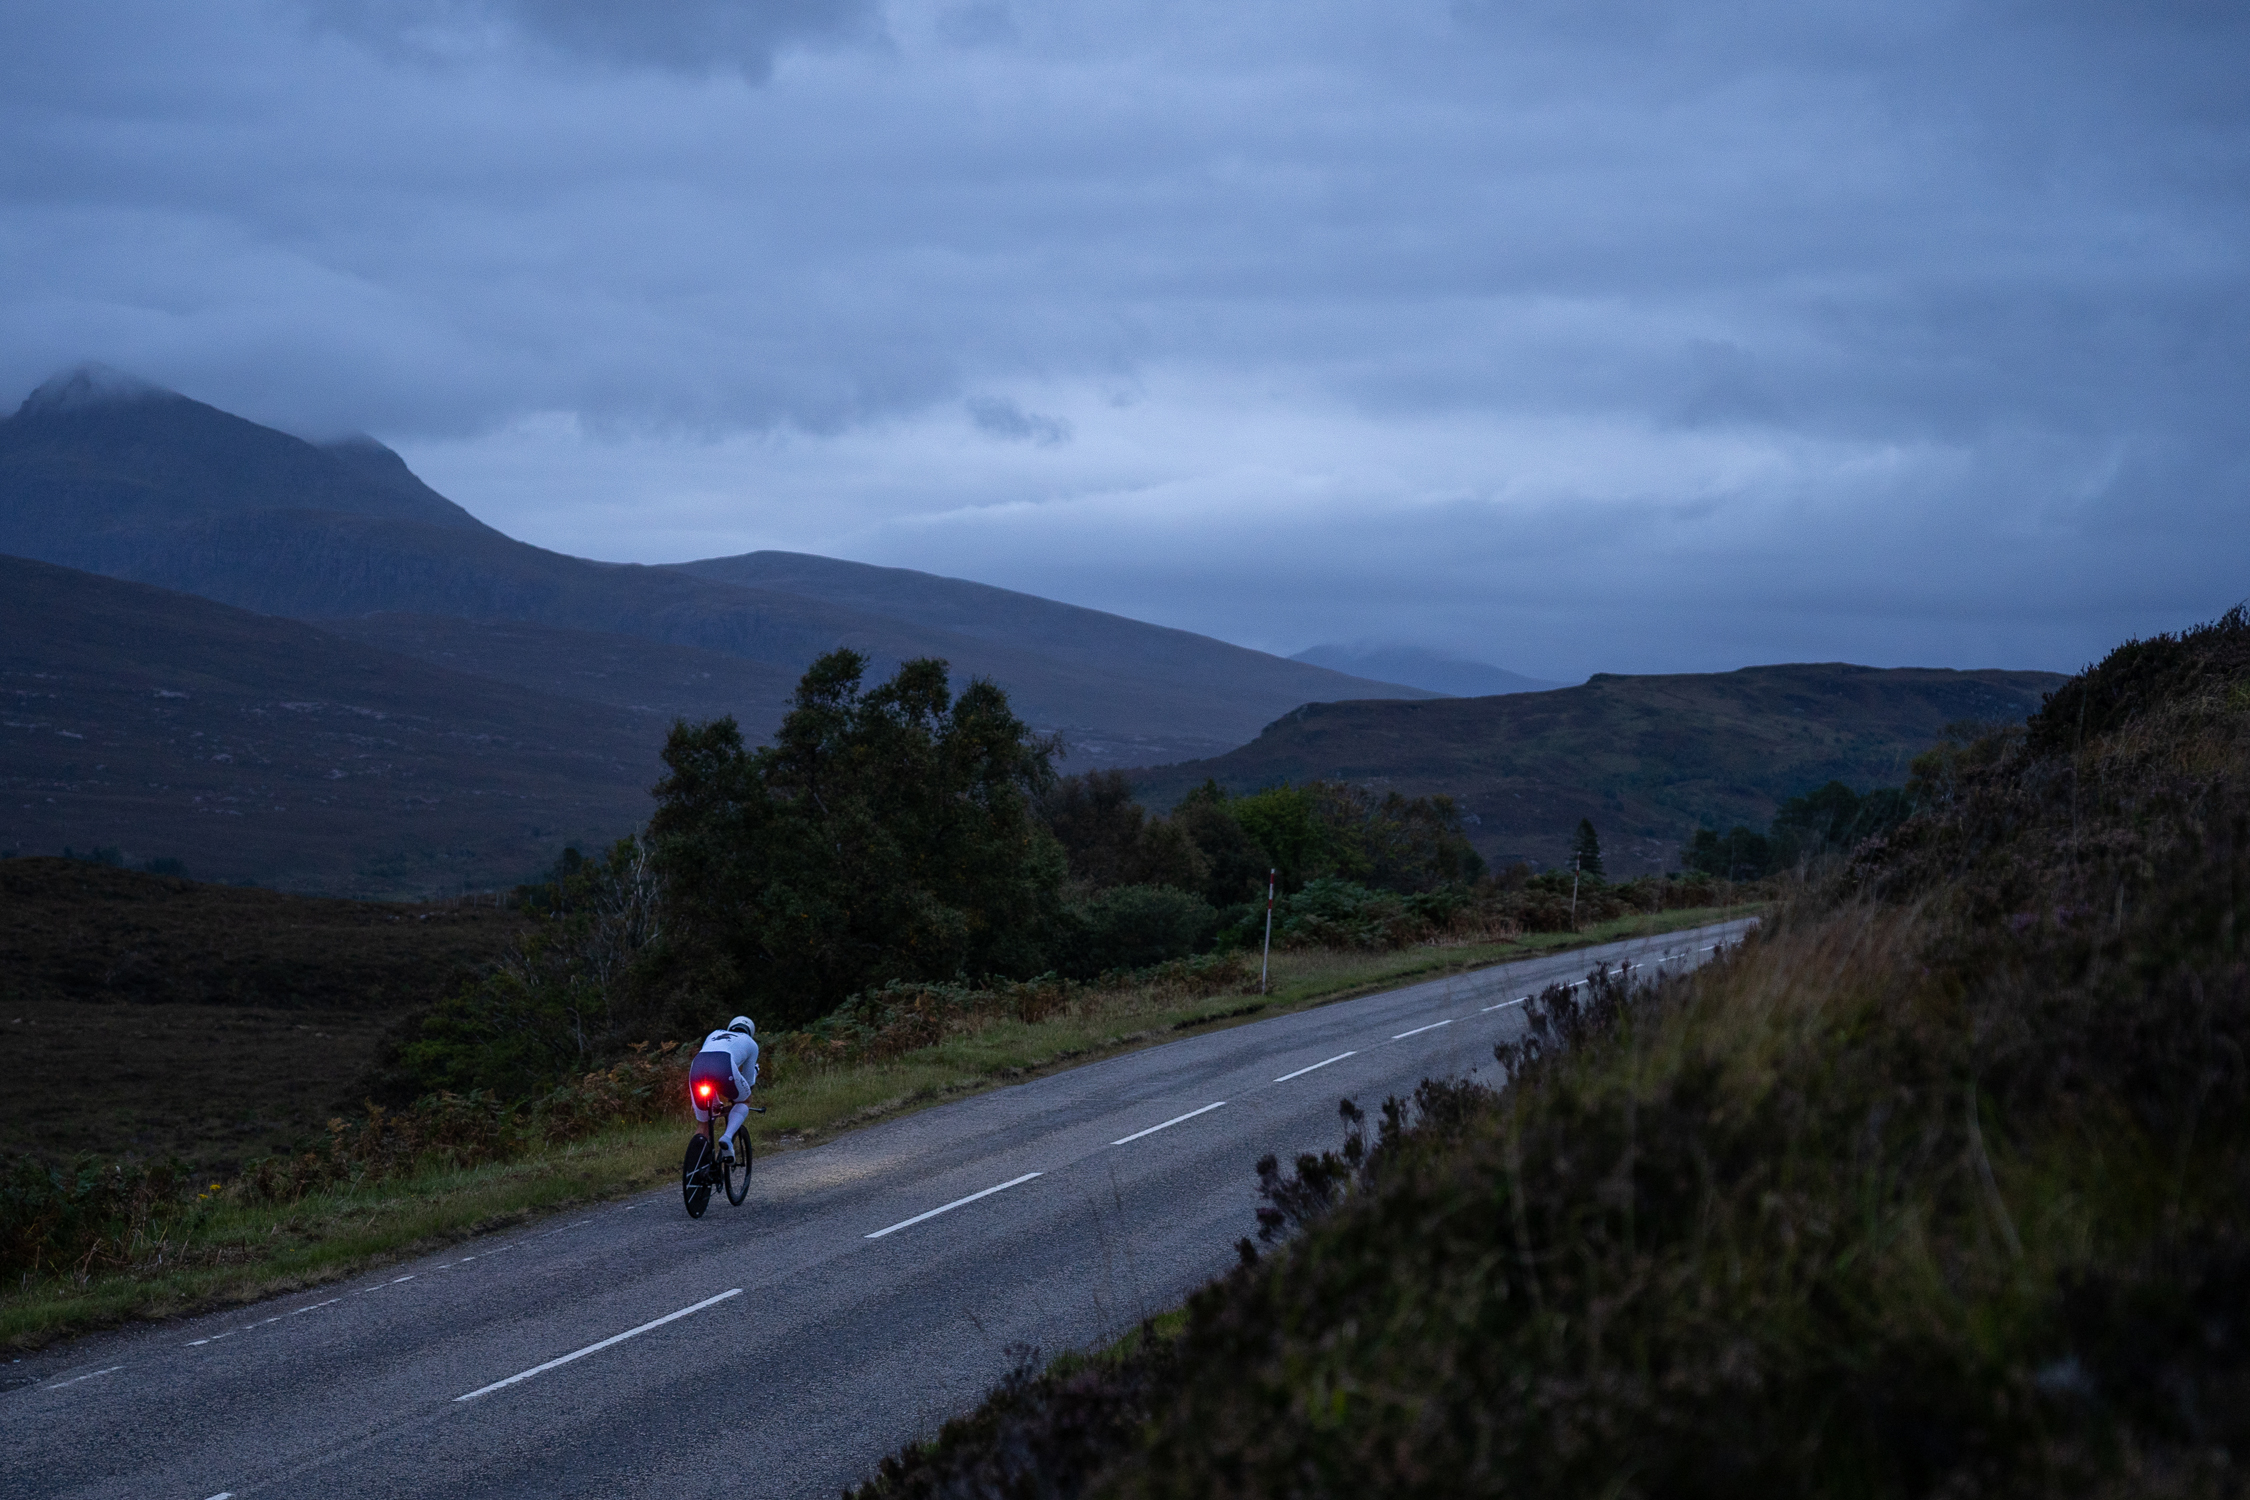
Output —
(724, 1072)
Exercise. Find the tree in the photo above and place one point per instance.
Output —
(1098, 824)
(885, 834)
(1586, 848)
(1737, 854)
(568, 996)
(1235, 864)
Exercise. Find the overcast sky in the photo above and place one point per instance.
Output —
(1571, 335)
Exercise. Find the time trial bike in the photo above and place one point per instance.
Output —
(705, 1168)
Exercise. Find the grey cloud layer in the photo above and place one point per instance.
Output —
(690, 36)
(1576, 336)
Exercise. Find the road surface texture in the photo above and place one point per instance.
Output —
(869, 1289)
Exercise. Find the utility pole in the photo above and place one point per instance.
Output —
(1265, 964)
(1575, 861)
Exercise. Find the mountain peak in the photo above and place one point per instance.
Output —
(89, 384)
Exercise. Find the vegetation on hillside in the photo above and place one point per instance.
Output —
(1937, 1187)
(1814, 829)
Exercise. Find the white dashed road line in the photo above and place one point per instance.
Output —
(90, 1375)
(1301, 1072)
(1417, 1031)
(1168, 1124)
(949, 1207)
(615, 1338)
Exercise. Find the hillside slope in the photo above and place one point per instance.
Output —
(146, 484)
(1940, 1186)
(1453, 676)
(651, 678)
(250, 747)
(1648, 759)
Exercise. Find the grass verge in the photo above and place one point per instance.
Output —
(234, 1253)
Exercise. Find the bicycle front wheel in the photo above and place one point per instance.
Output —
(738, 1169)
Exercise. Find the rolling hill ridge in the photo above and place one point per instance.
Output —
(1648, 759)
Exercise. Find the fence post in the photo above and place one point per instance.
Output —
(1265, 964)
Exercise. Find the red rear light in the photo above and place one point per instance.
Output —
(704, 1089)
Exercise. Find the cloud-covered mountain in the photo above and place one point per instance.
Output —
(140, 483)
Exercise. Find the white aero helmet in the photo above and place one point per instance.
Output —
(744, 1025)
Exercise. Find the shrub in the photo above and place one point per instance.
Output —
(69, 1219)
(1133, 927)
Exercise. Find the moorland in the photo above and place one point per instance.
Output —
(155, 1016)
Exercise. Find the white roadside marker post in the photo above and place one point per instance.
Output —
(1265, 964)
(1574, 869)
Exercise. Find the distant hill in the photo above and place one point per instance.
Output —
(253, 748)
(140, 483)
(1454, 676)
(1649, 759)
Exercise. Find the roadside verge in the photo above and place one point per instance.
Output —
(232, 1250)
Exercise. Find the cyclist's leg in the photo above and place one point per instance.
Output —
(735, 1117)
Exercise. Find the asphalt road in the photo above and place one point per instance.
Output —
(869, 1289)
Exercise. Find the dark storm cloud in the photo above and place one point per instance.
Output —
(691, 36)
(997, 416)
(1576, 336)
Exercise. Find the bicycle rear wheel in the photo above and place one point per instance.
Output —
(738, 1168)
(695, 1175)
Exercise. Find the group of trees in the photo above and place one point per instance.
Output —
(887, 833)
(897, 832)
(1222, 847)
(1831, 820)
